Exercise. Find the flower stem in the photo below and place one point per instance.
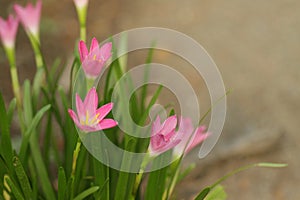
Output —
(10, 52)
(139, 177)
(74, 163)
(81, 12)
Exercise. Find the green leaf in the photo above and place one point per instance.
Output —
(15, 191)
(23, 179)
(86, 193)
(272, 165)
(6, 146)
(27, 103)
(122, 190)
(217, 193)
(157, 179)
(31, 129)
(62, 183)
(11, 109)
(146, 76)
(151, 103)
(203, 194)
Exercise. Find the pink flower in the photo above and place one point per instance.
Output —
(8, 31)
(93, 61)
(81, 3)
(189, 137)
(89, 118)
(163, 135)
(30, 16)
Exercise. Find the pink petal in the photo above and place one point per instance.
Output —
(92, 68)
(83, 52)
(74, 117)
(106, 123)
(91, 101)
(8, 30)
(169, 126)
(80, 108)
(104, 110)
(94, 45)
(199, 136)
(105, 51)
(156, 126)
(30, 16)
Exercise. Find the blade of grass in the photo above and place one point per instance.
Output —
(62, 183)
(87, 192)
(10, 110)
(157, 179)
(23, 179)
(146, 76)
(30, 130)
(15, 191)
(6, 146)
(121, 189)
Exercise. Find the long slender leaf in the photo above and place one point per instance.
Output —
(122, 191)
(157, 179)
(6, 146)
(87, 192)
(10, 110)
(15, 191)
(62, 183)
(31, 129)
(23, 179)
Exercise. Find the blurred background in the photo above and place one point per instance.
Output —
(255, 44)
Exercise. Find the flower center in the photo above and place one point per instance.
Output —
(90, 122)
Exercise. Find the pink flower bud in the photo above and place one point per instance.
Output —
(8, 31)
(30, 17)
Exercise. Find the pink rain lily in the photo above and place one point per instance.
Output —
(94, 60)
(8, 31)
(163, 135)
(80, 3)
(189, 137)
(30, 16)
(89, 118)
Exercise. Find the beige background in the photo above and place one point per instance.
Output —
(256, 45)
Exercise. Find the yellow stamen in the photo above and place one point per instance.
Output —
(95, 119)
(87, 118)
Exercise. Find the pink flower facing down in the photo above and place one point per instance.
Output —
(189, 137)
(30, 17)
(89, 118)
(94, 60)
(8, 31)
(163, 135)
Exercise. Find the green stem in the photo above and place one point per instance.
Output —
(10, 52)
(74, 163)
(82, 21)
(139, 177)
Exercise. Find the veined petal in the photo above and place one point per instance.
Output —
(169, 126)
(156, 126)
(94, 45)
(199, 136)
(92, 68)
(104, 110)
(106, 123)
(83, 51)
(74, 117)
(81, 111)
(105, 51)
(91, 101)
